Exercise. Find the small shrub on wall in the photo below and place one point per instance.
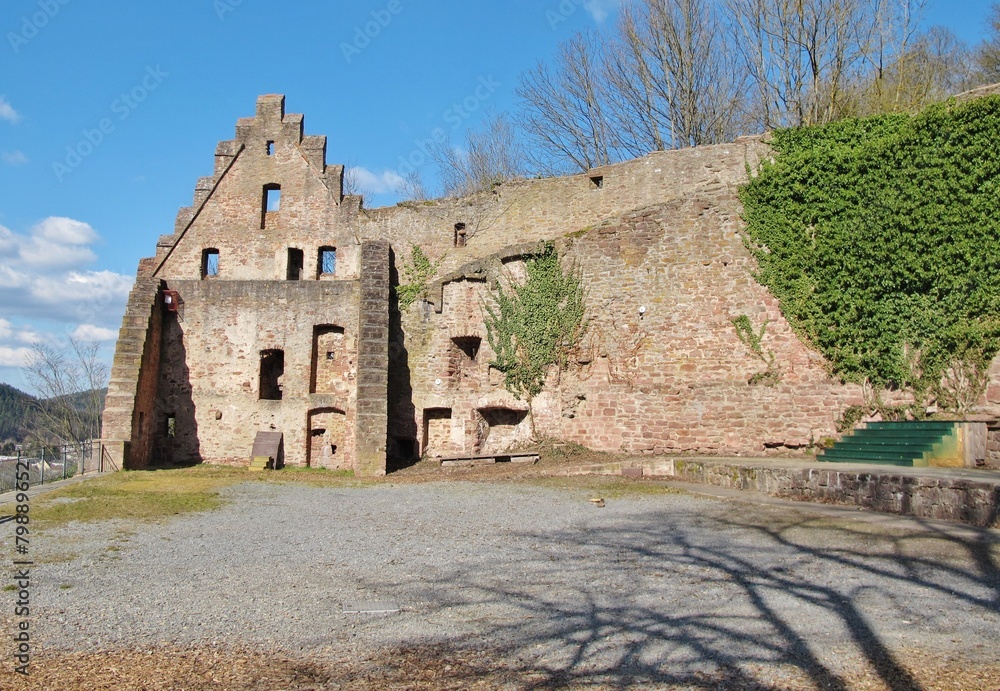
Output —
(880, 237)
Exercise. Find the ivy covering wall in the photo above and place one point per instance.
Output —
(880, 237)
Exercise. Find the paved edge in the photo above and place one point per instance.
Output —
(964, 495)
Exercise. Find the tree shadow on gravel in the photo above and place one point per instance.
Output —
(759, 603)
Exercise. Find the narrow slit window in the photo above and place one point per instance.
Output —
(270, 148)
(170, 426)
(271, 202)
(327, 261)
(460, 235)
(296, 262)
(209, 263)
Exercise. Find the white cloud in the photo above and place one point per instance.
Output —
(89, 332)
(44, 275)
(14, 357)
(7, 111)
(388, 181)
(62, 229)
(14, 158)
(601, 9)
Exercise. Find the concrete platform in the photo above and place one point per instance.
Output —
(965, 495)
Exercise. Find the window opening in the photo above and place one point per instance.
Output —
(327, 261)
(272, 373)
(597, 181)
(171, 426)
(468, 345)
(460, 235)
(270, 148)
(209, 263)
(296, 262)
(271, 202)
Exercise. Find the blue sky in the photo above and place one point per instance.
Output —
(110, 111)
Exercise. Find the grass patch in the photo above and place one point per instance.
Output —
(155, 494)
(134, 495)
(9, 588)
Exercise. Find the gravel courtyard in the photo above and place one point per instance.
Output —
(511, 585)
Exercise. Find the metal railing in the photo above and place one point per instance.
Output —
(48, 463)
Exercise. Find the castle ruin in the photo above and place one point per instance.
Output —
(271, 308)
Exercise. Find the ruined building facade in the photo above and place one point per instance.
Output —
(270, 308)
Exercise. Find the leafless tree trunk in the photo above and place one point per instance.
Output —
(563, 111)
(68, 382)
(672, 78)
(804, 55)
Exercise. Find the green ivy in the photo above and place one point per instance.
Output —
(754, 341)
(417, 273)
(880, 237)
(535, 325)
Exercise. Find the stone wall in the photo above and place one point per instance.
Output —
(661, 369)
(657, 242)
(373, 359)
(210, 381)
(130, 404)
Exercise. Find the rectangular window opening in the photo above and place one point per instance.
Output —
(460, 235)
(272, 374)
(209, 263)
(170, 427)
(327, 261)
(273, 199)
(271, 202)
(296, 262)
(270, 148)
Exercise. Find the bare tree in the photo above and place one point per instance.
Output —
(352, 182)
(563, 109)
(803, 56)
(988, 54)
(672, 80)
(413, 187)
(934, 66)
(492, 155)
(69, 382)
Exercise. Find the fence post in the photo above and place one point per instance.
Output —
(41, 467)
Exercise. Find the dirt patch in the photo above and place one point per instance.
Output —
(438, 668)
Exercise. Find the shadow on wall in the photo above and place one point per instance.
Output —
(401, 445)
(177, 443)
(682, 598)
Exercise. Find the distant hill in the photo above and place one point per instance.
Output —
(19, 413)
(16, 413)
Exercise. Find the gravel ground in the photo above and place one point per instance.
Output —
(510, 585)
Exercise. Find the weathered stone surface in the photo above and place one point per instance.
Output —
(661, 369)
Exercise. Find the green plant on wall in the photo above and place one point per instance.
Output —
(535, 325)
(754, 341)
(880, 237)
(417, 273)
